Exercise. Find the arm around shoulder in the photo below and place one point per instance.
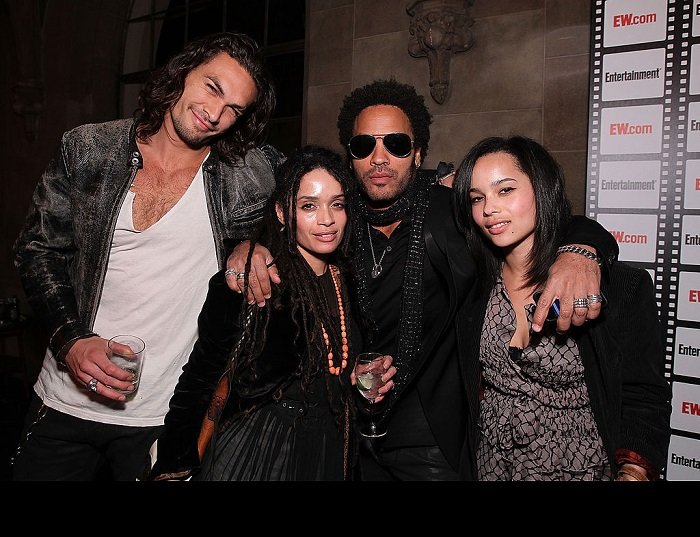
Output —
(583, 230)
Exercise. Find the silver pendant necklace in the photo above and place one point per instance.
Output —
(377, 269)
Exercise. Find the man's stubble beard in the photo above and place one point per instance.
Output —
(403, 183)
(184, 134)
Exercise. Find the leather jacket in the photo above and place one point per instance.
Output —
(62, 251)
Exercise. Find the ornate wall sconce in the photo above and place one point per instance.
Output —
(439, 29)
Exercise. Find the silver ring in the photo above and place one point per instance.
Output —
(92, 385)
(580, 302)
(232, 272)
(594, 299)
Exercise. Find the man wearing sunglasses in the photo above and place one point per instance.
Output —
(415, 278)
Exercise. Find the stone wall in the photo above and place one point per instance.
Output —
(527, 73)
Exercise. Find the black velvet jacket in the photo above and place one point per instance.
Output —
(219, 331)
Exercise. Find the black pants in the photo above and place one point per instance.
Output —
(412, 463)
(58, 447)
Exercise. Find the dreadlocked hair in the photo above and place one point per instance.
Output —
(300, 290)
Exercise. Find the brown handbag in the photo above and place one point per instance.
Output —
(211, 418)
(219, 397)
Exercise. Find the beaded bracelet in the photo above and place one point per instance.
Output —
(581, 251)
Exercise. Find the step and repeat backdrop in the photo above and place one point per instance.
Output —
(644, 178)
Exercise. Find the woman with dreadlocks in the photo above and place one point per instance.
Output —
(282, 409)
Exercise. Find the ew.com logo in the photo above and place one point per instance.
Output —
(630, 19)
(631, 129)
(637, 21)
(690, 407)
(630, 238)
(635, 235)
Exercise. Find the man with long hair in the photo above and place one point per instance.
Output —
(126, 226)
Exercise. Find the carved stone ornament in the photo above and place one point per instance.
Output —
(439, 29)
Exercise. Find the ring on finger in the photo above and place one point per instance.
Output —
(234, 273)
(92, 385)
(594, 299)
(580, 302)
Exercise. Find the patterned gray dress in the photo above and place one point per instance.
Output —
(536, 422)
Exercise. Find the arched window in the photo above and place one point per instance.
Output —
(158, 28)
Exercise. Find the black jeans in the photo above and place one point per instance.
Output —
(411, 463)
(58, 447)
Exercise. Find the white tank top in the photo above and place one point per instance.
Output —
(155, 286)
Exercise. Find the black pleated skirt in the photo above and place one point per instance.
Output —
(280, 441)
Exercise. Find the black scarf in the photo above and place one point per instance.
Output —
(413, 203)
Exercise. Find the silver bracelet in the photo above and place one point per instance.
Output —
(581, 251)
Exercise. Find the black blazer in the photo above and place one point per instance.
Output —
(444, 376)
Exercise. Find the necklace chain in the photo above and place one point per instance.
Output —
(377, 269)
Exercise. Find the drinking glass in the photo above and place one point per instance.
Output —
(369, 368)
(127, 352)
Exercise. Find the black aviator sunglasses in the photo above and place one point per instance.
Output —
(398, 144)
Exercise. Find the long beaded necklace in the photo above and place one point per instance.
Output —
(377, 269)
(332, 368)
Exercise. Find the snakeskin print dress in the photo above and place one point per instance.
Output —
(536, 422)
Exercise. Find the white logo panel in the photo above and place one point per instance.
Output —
(633, 75)
(685, 413)
(683, 459)
(690, 240)
(634, 21)
(635, 235)
(686, 357)
(631, 129)
(634, 184)
(689, 296)
(691, 200)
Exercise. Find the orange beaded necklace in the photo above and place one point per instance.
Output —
(332, 368)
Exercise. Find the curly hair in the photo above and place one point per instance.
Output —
(553, 209)
(300, 290)
(167, 83)
(388, 92)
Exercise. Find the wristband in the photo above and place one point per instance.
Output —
(581, 251)
(633, 472)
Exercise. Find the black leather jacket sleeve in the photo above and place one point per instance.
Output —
(43, 253)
